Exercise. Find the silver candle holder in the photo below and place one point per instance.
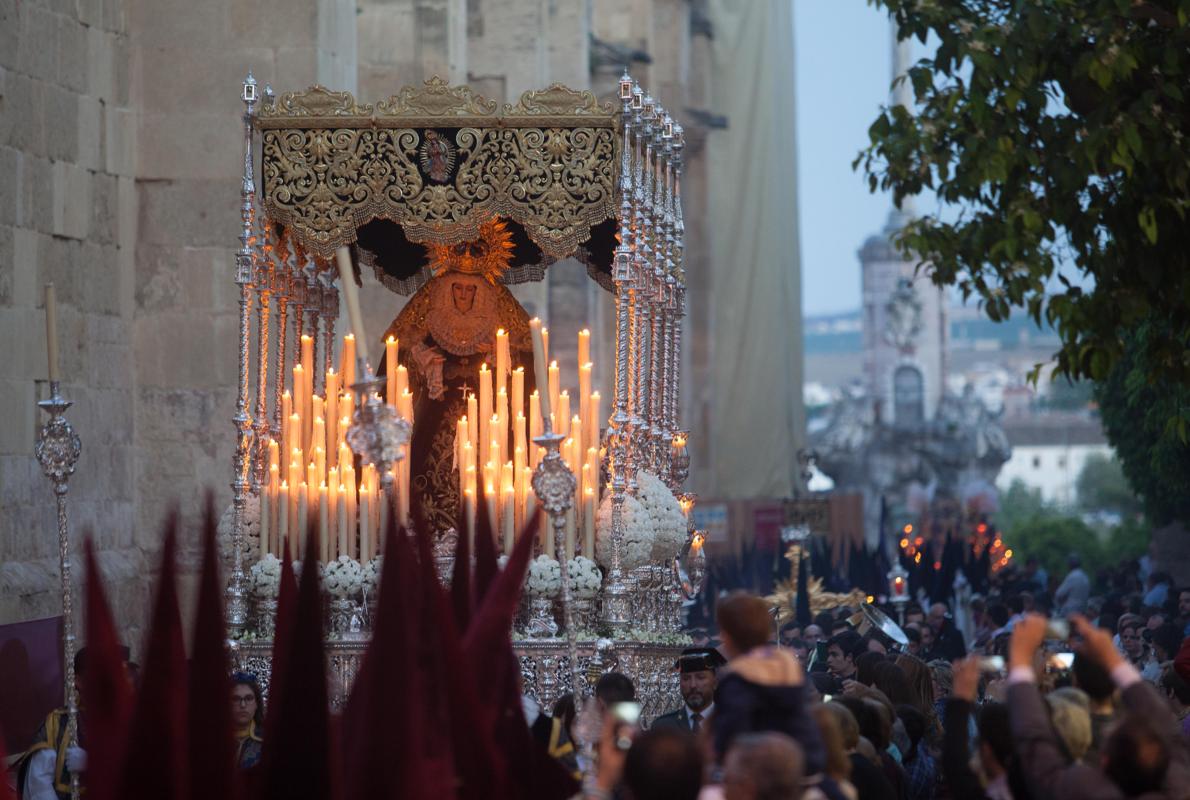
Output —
(377, 433)
(554, 484)
(57, 450)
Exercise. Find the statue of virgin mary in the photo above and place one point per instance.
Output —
(447, 330)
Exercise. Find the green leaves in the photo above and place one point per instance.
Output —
(1058, 131)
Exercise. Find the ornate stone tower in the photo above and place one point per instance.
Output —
(904, 314)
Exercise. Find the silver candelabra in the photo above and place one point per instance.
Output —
(57, 450)
(554, 485)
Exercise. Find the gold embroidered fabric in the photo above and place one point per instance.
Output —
(440, 161)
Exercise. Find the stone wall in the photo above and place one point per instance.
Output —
(68, 214)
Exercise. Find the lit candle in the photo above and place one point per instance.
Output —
(555, 383)
(539, 366)
(348, 477)
(584, 346)
(312, 484)
(561, 411)
(341, 529)
(503, 364)
(365, 520)
(51, 330)
(584, 397)
(545, 341)
(469, 514)
(347, 362)
(589, 511)
(402, 379)
(390, 370)
(276, 511)
(517, 404)
(520, 443)
(309, 370)
(473, 419)
(282, 515)
(299, 393)
(485, 404)
(286, 412)
(508, 509)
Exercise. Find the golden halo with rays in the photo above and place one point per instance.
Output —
(489, 255)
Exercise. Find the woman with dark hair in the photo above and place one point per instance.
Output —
(921, 685)
(247, 715)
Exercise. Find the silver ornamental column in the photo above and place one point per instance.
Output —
(57, 451)
(615, 592)
(237, 606)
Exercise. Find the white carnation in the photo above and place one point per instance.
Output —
(264, 577)
(343, 578)
(372, 572)
(636, 547)
(669, 523)
(585, 577)
(545, 577)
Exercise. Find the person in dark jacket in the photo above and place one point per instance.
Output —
(762, 687)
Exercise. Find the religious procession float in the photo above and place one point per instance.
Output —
(455, 420)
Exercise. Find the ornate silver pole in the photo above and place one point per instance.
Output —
(237, 607)
(615, 593)
(281, 290)
(674, 384)
(58, 448)
(263, 257)
(554, 485)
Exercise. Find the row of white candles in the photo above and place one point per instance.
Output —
(506, 462)
(320, 476)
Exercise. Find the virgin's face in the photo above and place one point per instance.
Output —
(463, 295)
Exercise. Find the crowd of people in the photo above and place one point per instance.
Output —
(1049, 691)
(1055, 692)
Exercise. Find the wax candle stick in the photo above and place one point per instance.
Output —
(286, 412)
(584, 397)
(347, 362)
(545, 341)
(562, 413)
(555, 384)
(365, 521)
(348, 476)
(595, 422)
(51, 330)
(402, 379)
(299, 389)
(508, 513)
(517, 400)
(405, 407)
(473, 419)
(324, 525)
(584, 346)
(390, 370)
(571, 533)
(266, 510)
(303, 514)
(539, 367)
(341, 522)
(331, 415)
(283, 516)
(502, 361)
(469, 515)
(485, 404)
(492, 502)
(276, 510)
(589, 512)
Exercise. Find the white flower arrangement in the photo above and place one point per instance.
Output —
(669, 523)
(372, 572)
(343, 578)
(545, 577)
(637, 544)
(585, 577)
(265, 577)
